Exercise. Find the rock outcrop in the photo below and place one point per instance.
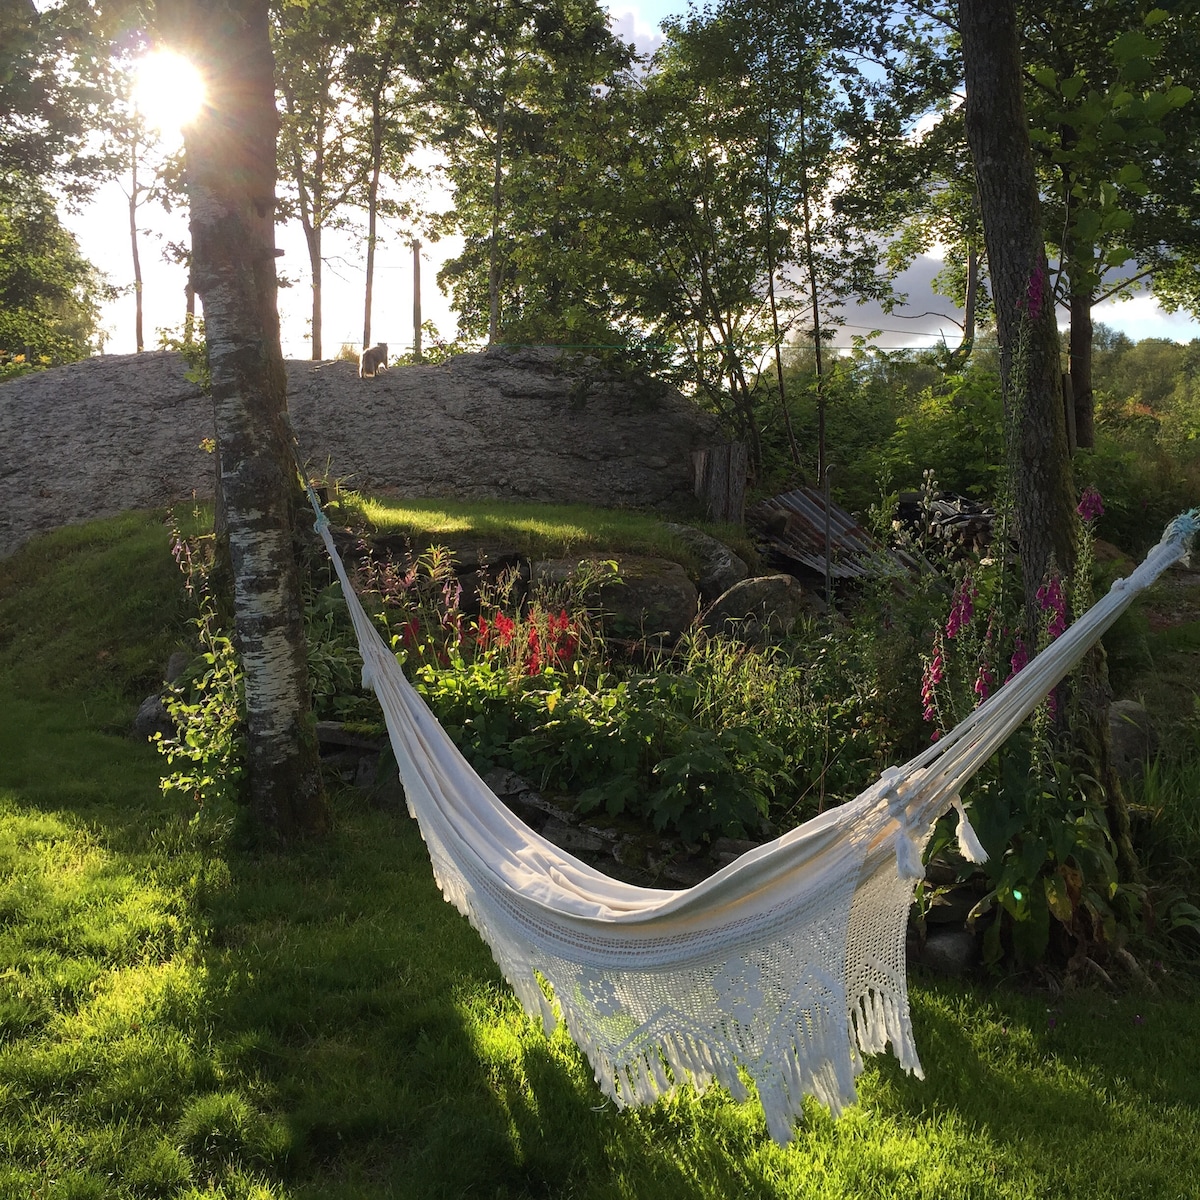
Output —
(117, 432)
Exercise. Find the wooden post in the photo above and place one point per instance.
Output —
(719, 479)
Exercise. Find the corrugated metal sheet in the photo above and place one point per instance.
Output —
(794, 525)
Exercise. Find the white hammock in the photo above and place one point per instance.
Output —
(788, 965)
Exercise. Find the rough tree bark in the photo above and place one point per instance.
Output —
(231, 186)
(1030, 352)
(1083, 334)
(1030, 363)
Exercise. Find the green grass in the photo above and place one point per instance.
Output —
(180, 1017)
(537, 530)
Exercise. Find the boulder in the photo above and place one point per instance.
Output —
(765, 605)
(720, 568)
(1132, 736)
(152, 717)
(177, 664)
(949, 951)
(651, 597)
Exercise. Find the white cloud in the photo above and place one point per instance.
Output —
(629, 25)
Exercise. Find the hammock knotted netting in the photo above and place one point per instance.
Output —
(787, 966)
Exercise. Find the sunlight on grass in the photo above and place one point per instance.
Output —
(181, 1019)
(548, 530)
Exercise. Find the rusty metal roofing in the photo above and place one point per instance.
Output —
(794, 524)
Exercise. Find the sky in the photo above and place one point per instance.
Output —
(102, 230)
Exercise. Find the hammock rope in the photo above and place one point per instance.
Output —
(787, 966)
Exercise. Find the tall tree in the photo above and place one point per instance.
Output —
(507, 79)
(386, 110)
(53, 93)
(1030, 354)
(1114, 126)
(49, 293)
(320, 149)
(136, 142)
(997, 130)
(231, 174)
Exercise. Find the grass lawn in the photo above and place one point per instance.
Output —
(181, 1016)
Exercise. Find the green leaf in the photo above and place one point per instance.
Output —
(1156, 16)
(1134, 44)
(1138, 70)
(1179, 95)
(1087, 224)
(1059, 898)
(1072, 87)
(1046, 77)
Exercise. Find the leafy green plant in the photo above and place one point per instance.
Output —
(191, 344)
(14, 365)
(1050, 870)
(955, 429)
(1052, 877)
(207, 751)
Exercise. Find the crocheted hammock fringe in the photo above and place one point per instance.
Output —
(786, 968)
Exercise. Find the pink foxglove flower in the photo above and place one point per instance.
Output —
(1090, 505)
(1050, 597)
(1035, 293)
(962, 610)
(1020, 656)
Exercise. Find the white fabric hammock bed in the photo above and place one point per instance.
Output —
(786, 967)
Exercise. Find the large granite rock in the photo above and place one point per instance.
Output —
(116, 432)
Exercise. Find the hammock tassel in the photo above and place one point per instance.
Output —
(969, 845)
(908, 853)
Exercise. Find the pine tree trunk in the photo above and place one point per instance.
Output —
(231, 184)
(417, 322)
(998, 134)
(1030, 354)
(372, 213)
(494, 241)
(313, 235)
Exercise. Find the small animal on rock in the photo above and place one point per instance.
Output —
(372, 361)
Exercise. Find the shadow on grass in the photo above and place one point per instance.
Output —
(368, 1017)
(322, 1024)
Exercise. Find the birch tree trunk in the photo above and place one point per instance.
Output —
(231, 185)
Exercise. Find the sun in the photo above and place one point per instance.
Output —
(168, 90)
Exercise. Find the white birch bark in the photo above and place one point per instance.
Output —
(231, 186)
